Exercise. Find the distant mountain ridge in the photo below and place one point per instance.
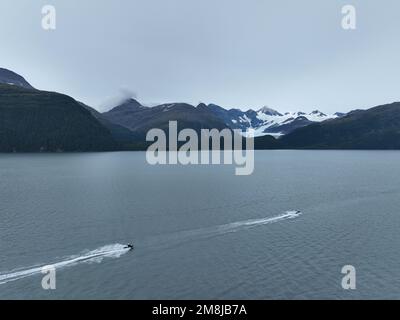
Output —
(268, 121)
(136, 117)
(140, 119)
(32, 120)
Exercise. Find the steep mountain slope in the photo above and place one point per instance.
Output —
(33, 120)
(376, 128)
(11, 78)
(122, 135)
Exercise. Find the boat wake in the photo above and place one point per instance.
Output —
(97, 256)
(257, 222)
(236, 226)
(158, 242)
(180, 237)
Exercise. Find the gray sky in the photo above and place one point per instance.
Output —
(289, 55)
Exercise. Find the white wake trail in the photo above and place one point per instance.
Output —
(236, 226)
(172, 239)
(109, 251)
(117, 250)
(257, 222)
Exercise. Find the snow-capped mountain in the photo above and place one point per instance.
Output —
(265, 121)
(235, 118)
(269, 112)
(269, 121)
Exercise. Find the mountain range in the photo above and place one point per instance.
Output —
(140, 119)
(32, 120)
(265, 121)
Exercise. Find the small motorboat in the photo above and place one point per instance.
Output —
(129, 246)
(294, 212)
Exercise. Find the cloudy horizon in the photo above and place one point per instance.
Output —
(248, 54)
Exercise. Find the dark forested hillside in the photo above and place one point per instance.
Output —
(375, 128)
(33, 120)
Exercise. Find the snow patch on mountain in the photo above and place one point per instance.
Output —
(268, 121)
(277, 124)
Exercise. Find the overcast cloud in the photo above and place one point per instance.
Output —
(289, 55)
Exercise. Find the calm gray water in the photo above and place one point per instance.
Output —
(189, 226)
